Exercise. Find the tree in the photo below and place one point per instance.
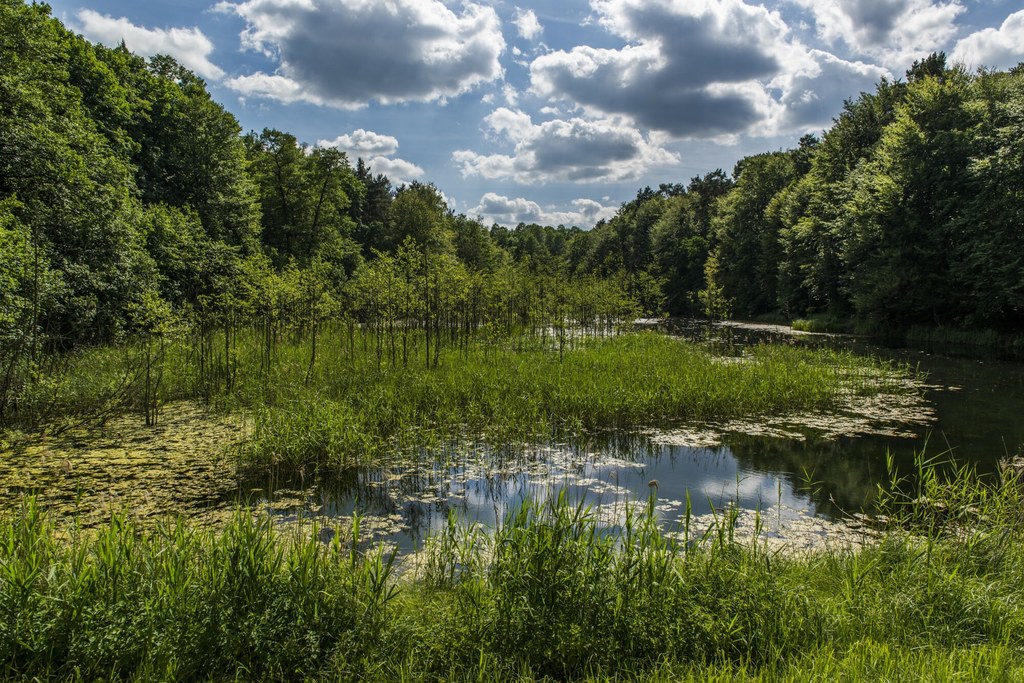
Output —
(68, 178)
(189, 150)
(680, 249)
(903, 203)
(473, 244)
(420, 212)
(373, 210)
(988, 262)
(747, 235)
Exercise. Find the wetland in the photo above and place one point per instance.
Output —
(806, 464)
(561, 514)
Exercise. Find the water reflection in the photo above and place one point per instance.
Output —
(972, 409)
(972, 415)
(405, 501)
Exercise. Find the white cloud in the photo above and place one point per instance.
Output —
(361, 143)
(377, 151)
(528, 24)
(347, 53)
(811, 90)
(277, 88)
(894, 31)
(513, 123)
(999, 48)
(495, 208)
(510, 94)
(189, 46)
(398, 171)
(694, 69)
(577, 149)
(702, 69)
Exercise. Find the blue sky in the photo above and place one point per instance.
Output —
(549, 112)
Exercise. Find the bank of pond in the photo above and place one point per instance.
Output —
(551, 505)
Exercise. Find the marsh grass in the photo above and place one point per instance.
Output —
(178, 603)
(551, 594)
(347, 404)
(351, 408)
(824, 323)
(91, 385)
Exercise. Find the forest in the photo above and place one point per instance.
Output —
(131, 202)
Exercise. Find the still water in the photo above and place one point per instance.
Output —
(969, 411)
(800, 471)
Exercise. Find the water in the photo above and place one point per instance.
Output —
(801, 472)
(404, 503)
(969, 412)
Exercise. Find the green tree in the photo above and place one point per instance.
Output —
(420, 212)
(72, 186)
(747, 235)
(988, 262)
(189, 150)
(902, 206)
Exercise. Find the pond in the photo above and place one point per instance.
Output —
(797, 476)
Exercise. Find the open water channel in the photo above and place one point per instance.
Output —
(801, 473)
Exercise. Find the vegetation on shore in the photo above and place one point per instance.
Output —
(133, 208)
(512, 396)
(150, 251)
(550, 595)
(341, 403)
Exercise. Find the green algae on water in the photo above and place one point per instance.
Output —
(182, 466)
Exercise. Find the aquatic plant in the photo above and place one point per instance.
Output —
(553, 593)
(353, 409)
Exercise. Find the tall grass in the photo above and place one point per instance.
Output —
(552, 594)
(180, 603)
(345, 401)
(351, 407)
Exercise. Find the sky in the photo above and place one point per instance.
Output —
(549, 112)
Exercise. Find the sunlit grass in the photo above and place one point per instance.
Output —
(351, 408)
(551, 594)
(348, 404)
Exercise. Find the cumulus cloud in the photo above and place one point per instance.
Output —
(398, 171)
(189, 46)
(495, 208)
(361, 143)
(275, 87)
(811, 90)
(1000, 48)
(528, 24)
(377, 152)
(577, 149)
(894, 31)
(693, 69)
(702, 69)
(347, 53)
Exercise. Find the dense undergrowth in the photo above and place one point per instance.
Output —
(551, 594)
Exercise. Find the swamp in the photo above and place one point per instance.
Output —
(603, 485)
(269, 414)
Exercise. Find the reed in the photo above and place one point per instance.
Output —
(179, 603)
(554, 593)
(351, 409)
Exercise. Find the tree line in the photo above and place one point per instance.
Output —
(908, 210)
(133, 208)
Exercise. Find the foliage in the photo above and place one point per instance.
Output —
(122, 180)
